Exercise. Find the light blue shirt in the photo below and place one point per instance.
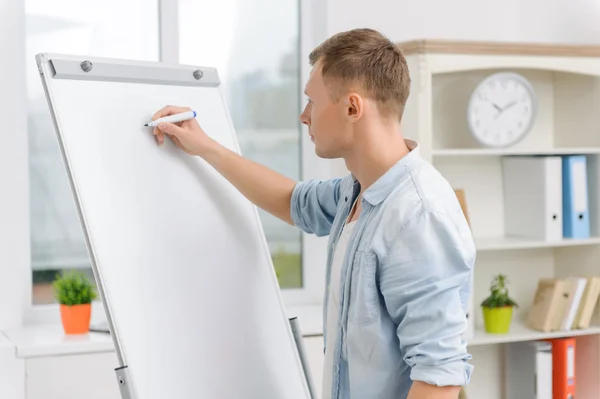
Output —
(405, 280)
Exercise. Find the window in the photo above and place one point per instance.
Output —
(114, 28)
(255, 46)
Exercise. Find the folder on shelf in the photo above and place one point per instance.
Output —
(563, 368)
(533, 197)
(576, 218)
(529, 370)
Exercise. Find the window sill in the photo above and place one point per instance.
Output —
(45, 340)
(50, 340)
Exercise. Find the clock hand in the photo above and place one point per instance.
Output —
(501, 110)
(509, 105)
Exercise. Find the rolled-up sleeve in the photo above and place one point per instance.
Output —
(314, 204)
(425, 282)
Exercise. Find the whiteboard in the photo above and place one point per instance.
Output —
(179, 255)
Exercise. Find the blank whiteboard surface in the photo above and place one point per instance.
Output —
(180, 253)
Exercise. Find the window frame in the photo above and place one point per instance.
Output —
(313, 29)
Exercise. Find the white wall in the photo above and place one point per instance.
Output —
(14, 180)
(510, 20)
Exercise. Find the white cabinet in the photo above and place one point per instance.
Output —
(12, 371)
(89, 376)
(41, 362)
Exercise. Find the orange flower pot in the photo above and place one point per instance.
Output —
(76, 319)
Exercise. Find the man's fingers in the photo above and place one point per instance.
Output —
(171, 129)
(160, 137)
(169, 110)
(168, 128)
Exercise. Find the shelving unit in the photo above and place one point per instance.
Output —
(566, 80)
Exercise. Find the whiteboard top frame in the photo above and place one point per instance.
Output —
(60, 66)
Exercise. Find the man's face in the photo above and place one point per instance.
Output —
(327, 122)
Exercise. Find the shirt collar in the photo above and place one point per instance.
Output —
(390, 179)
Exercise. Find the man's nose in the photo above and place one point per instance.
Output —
(304, 119)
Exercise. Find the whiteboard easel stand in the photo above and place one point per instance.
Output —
(166, 75)
(299, 344)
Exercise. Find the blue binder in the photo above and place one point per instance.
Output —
(576, 220)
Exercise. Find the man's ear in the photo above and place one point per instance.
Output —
(354, 106)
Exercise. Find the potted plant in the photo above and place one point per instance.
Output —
(75, 293)
(498, 307)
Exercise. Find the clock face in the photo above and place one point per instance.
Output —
(501, 109)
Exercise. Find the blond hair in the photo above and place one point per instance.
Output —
(366, 59)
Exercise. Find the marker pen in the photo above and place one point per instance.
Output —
(184, 116)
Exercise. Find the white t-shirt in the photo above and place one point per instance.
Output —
(333, 306)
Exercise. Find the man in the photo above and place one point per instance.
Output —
(401, 253)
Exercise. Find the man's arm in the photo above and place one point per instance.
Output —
(424, 282)
(262, 186)
(309, 205)
(314, 205)
(422, 390)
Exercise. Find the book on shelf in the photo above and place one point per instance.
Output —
(589, 299)
(563, 304)
(462, 200)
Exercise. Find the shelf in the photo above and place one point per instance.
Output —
(519, 333)
(509, 243)
(477, 152)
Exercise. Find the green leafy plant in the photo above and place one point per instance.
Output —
(73, 288)
(499, 294)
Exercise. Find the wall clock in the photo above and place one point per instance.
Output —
(501, 109)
